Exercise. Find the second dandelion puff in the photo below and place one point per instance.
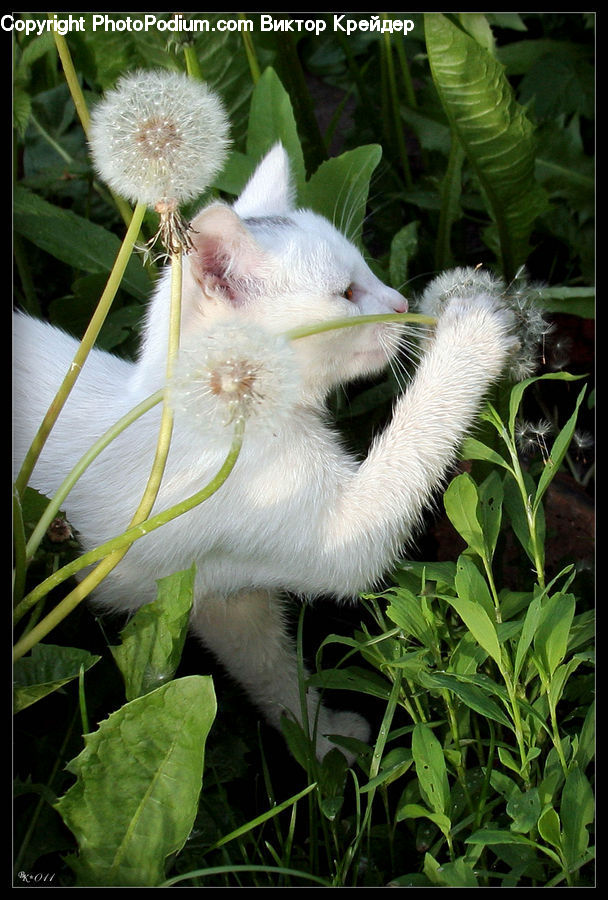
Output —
(231, 375)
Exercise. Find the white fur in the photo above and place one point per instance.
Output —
(298, 513)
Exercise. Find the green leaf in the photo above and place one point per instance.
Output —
(517, 392)
(46, 669)
(549, 827)
(271, 119)
(153, 640)
(74, 240)
(490, 493)
(524, 808)
(514, 506)
(576, 813)
(497, 137)
(394, 764)
(403, 248)
(138, 783)
(351, 678)
(558, 451)
(339, 189)
(586, 744)
(479, 624)
(405, 611)
(528, 631)
(474, 449)
(430, 769)
(472, 695)
(471, 585)
(461, 505)
(458, 873)
(551, 638)
(415, 811)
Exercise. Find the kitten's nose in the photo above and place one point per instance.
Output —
(397, 302)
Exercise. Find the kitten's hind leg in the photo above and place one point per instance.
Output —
(247, 633)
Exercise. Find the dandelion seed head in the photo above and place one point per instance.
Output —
(230, 374)
(520, 297)
(158, 136)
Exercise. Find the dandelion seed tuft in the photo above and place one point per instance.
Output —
(231, 374)
(519, 296)
(159, 138)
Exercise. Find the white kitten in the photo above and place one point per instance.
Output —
(298, 513)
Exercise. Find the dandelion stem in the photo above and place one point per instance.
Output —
(81, 466)
(301, 331)
(71, 77)
(84, 348)
(252, 59)
(116, 547)
(166, 422)
(192, 65)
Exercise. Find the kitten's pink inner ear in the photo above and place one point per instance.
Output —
(224, 252)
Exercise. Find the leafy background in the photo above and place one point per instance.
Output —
(381, 144)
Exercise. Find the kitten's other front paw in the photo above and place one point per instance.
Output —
(343, 724)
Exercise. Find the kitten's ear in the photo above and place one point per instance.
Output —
(269, 191)
(225, 258)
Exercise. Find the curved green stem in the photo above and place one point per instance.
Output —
(112, 551)
(166, 423)
(81, 466)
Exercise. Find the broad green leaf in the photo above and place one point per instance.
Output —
(468, 656)
(471, 585)
(586, 744)
(474, 449)
(405, 611)
(300, 745)
(576, 813)
(471, 695)
(153, 640)
(74, 240)
(332, 778)
(524, 808)
(458, 873)
(351, 678)
(551, 638)
(339, 189)
(431, 769)
(497, 137)
(549, 827)
(461, 505)
(271, 119)
(480, 625)
(415, 811)
(138, 782)
(569, 300)
(394, 764)
(46, 669)
(490, 493)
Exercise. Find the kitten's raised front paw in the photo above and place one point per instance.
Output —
(343, 724)
(464, 283)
